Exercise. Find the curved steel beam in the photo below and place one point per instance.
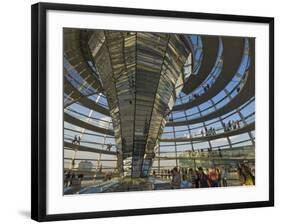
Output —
(84, 100)
(72, 120)
(210, 50)
(247, 128)
(73, 45)
(247, 92)
(71, 146)
(233, 49)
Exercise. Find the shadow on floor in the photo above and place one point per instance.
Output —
(24, 213)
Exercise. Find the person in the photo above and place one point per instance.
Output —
(224, 127)
(100, 168)
(223, 178)
(203, 178)
(206, 131)
(72, 179)
(240, 175)
(197, 180)
(202, 132)
(176, 179)
(234, 125)
(220, 154)
(246, 178)
(219, 176)
(249, 177)
(73, 163)
(182, 170)
(169, 174)
(205, 89)
(214, 177)
(185, 183)
(109, 146)
(207, 170)
(108, 176)
(238, 124)
(66, 178)
(153, 180)
(74, 140)
(81, 176)
(78, 140)
(192, 177)
(253, 172)
(238, 89)
(124, 144)
(229, 125)
(154, 173)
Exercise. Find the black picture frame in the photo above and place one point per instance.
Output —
(38, 108)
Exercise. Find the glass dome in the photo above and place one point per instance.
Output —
(210, 124)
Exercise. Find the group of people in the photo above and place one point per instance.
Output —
(212, 177)
(70, 177)
(108, 148)
(208, 132)
(206, 87)
(193, 96)
(246, 175)
(231, 125)
(198, 178)
(76, 140)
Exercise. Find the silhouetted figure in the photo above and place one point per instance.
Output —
(229, 125)
(238, 124)
(202, 132)
(223, 125)
(123, 144)
(74, 140)
(203, 178)
(72, 179)
(81, 176)
(109, 146)
(67, 178)
(100, 168)
(176, 179)
(220, 152)
(238, 89)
